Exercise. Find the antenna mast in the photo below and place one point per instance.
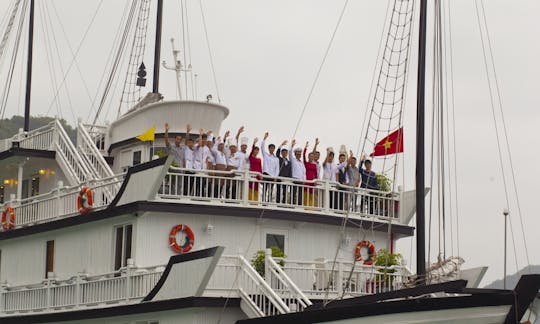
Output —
(157, 49)
(29, 68)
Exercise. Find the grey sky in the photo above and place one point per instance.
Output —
(266, 54)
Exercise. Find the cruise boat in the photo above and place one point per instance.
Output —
(102, 230)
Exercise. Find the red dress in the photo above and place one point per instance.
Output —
(311, 171)
(255, 165)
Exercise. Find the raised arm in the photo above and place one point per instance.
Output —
(278, 152)
(304, 153)
(240, 131)
(167, 144)
(263, 146)
(316, 144)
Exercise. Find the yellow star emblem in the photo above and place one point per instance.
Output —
(387, 145)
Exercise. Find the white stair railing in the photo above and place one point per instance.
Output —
(283, 285)
(68, 158)
(91, 154)
(256, 294)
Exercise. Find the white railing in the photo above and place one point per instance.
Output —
(98, 134)
(253, 189)
(62, 202)
(92, 155)
(326, 279)
(280, 282)
(68, 157)
(37, 139)
(126, 285)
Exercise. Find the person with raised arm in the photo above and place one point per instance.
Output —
(220, 164)
(270, 168)
(298, 170)
(369, 181)
(331, 171)
(241, 142)
(311, 173)
(177, 150)
(353, 179)
(255, 165)
(285, 171)
(235, 162)
(188, 163)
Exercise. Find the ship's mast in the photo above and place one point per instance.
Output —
(420, 160)
(29, 68)
(157, 48)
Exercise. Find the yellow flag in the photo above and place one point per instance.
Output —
(147, 136)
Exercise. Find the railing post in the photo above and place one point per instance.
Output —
(57, 191)
(326, 200)
(245, 188)
(48, 293)
(2, 292)
(77, 290)
(339, 281)
(129, 267)
(267, 276)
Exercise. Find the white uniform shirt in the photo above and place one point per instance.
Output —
(237, 160)
(331, 169)
(188, 157)
(270, 163)
(219, 157)
(298, 168)
(201, 157)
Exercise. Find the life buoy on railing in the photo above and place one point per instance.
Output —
(85, 200)
(371, 252)
(8, 218)
(190, 238)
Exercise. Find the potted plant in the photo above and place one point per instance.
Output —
(258, 259)
(387, 261)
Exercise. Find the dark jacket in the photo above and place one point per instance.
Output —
(285, 170)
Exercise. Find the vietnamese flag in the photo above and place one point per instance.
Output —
(391, 144)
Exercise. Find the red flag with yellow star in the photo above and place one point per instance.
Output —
(391, 144)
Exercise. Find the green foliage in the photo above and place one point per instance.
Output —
(386, 259)
(10, 127)
(258, 259)
(385, 184)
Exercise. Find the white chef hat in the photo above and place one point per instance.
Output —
(298, 149)
(244, 140)
(231, 142)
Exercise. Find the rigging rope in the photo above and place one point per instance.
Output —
(505, 132)
(320, 68)
(491, 97)
(132, 92)
(7, 84)
(209, 51)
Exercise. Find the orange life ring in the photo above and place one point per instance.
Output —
(190, 238)
(371, 252)
(85, 200)
(8, 224)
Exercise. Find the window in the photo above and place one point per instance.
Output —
(122, 245)
(34, 188)
(49, 258)
(24, 193)
(2, 194)
(275, 240)
(137, 157)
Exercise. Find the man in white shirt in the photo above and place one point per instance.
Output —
(177, 150)
(331, 173)
(235, 162)
(270, 168)
(188, 163)
(298, 170)
(201, 159)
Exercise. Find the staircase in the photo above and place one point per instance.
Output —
(259, 299)
(67, 156)
(91, 154)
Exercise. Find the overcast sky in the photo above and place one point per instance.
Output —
(266, 55)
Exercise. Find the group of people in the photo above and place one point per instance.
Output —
(304, 167)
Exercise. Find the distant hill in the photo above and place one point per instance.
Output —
(10, 127)
(512, 280)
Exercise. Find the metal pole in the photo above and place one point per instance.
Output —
(505, 213)
(29, 68)
(420, 163)
(157, 48)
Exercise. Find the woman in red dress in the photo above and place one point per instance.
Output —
(311, 173)
(255, 165)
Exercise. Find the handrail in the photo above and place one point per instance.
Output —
(267, 290)
(72, 158)
(284, 279)
(95, 159)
